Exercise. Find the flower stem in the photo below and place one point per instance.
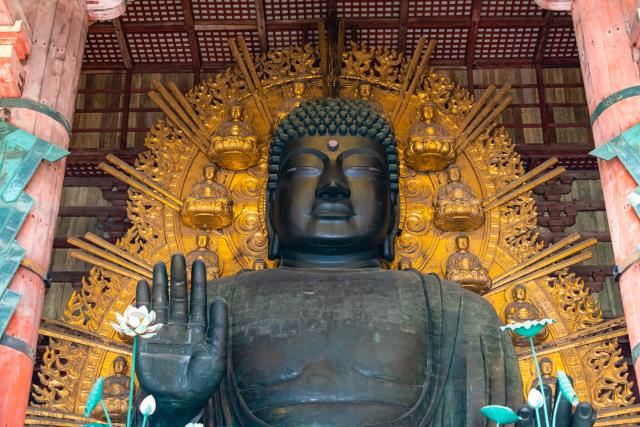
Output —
(106, 413)
(538, 421)
(555, 408)
(544, 399)
(133, 377)
(144, 420)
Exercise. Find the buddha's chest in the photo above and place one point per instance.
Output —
(329, 333)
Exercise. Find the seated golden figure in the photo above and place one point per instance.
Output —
(466, 269)
(546, 370)
(429, 146)
(115, 392)
(456, 207)
(520, 310)
(364, 91)
(206, 255)
(235, 142)
(208, 206)
(298, 93)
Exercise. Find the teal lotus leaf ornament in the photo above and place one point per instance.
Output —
(566, 388)
(528, 328)
(95, 396)
(500, 414)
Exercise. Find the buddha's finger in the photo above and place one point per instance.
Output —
(218, 329)
(563, 410)
(160, 293)
(584, 416)
(142, 294)
(526, 417)
(178, 305)
(548, 397)
(198, 308)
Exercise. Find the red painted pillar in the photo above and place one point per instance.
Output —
(51, 74)
(608, 66)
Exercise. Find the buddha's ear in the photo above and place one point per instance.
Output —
(273, 251)
(389, 244)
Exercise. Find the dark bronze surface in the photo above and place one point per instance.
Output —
(329, 338)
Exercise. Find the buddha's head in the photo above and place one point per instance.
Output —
(428, 113)
(236, 111)
(333, 184)
(299, 87)
(120, 365)
(462, 243)
(202, 241)
(546, 367)
(209, 172)
(364, 90)
(453, 173)
(519, 293)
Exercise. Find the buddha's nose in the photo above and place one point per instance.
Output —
(332, 185)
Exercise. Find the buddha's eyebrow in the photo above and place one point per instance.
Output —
(305, 150)
(360, 150)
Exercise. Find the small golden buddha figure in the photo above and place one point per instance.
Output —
(364, 91)
(456, 208)
(204, 253)
(520, 310)
(115, 392)
(465, 268)
(208, 206)
(298, 93)
(235, 142)
(429, 146)
(546, 371)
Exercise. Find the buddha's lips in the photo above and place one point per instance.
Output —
(332, 210)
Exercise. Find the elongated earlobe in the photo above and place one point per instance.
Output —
(273, 251)
(388, 247)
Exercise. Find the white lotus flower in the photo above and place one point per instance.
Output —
(148, 405)
(137, 322)
(194, 425)
(535, 399)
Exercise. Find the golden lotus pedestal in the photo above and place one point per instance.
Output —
(462, 221)
(430, 162)
(206, 215)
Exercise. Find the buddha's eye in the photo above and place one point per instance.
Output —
(303, 170)
(361, 171)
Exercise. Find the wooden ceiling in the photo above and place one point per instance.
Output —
(190, 35)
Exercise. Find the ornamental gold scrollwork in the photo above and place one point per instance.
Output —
(504, 238)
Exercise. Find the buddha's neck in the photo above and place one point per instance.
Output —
(358, 260)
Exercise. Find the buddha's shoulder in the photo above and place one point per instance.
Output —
(474, 308)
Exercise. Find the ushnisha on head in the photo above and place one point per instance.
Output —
(330, 153)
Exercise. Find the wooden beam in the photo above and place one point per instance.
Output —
(261, 23)
(124, 119)
(125, 52)
(193, 39)
(404, 20)
(472, 40)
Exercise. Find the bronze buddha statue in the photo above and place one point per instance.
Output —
(298, 92)
(115, 392)
(328, 338)
(546, 370)
(466, 269)
(456, 207)
(208, 206)
(429, 146)
(235, 142)
(519, 310)
(204, 253)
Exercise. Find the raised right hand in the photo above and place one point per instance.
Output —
(184, 363)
